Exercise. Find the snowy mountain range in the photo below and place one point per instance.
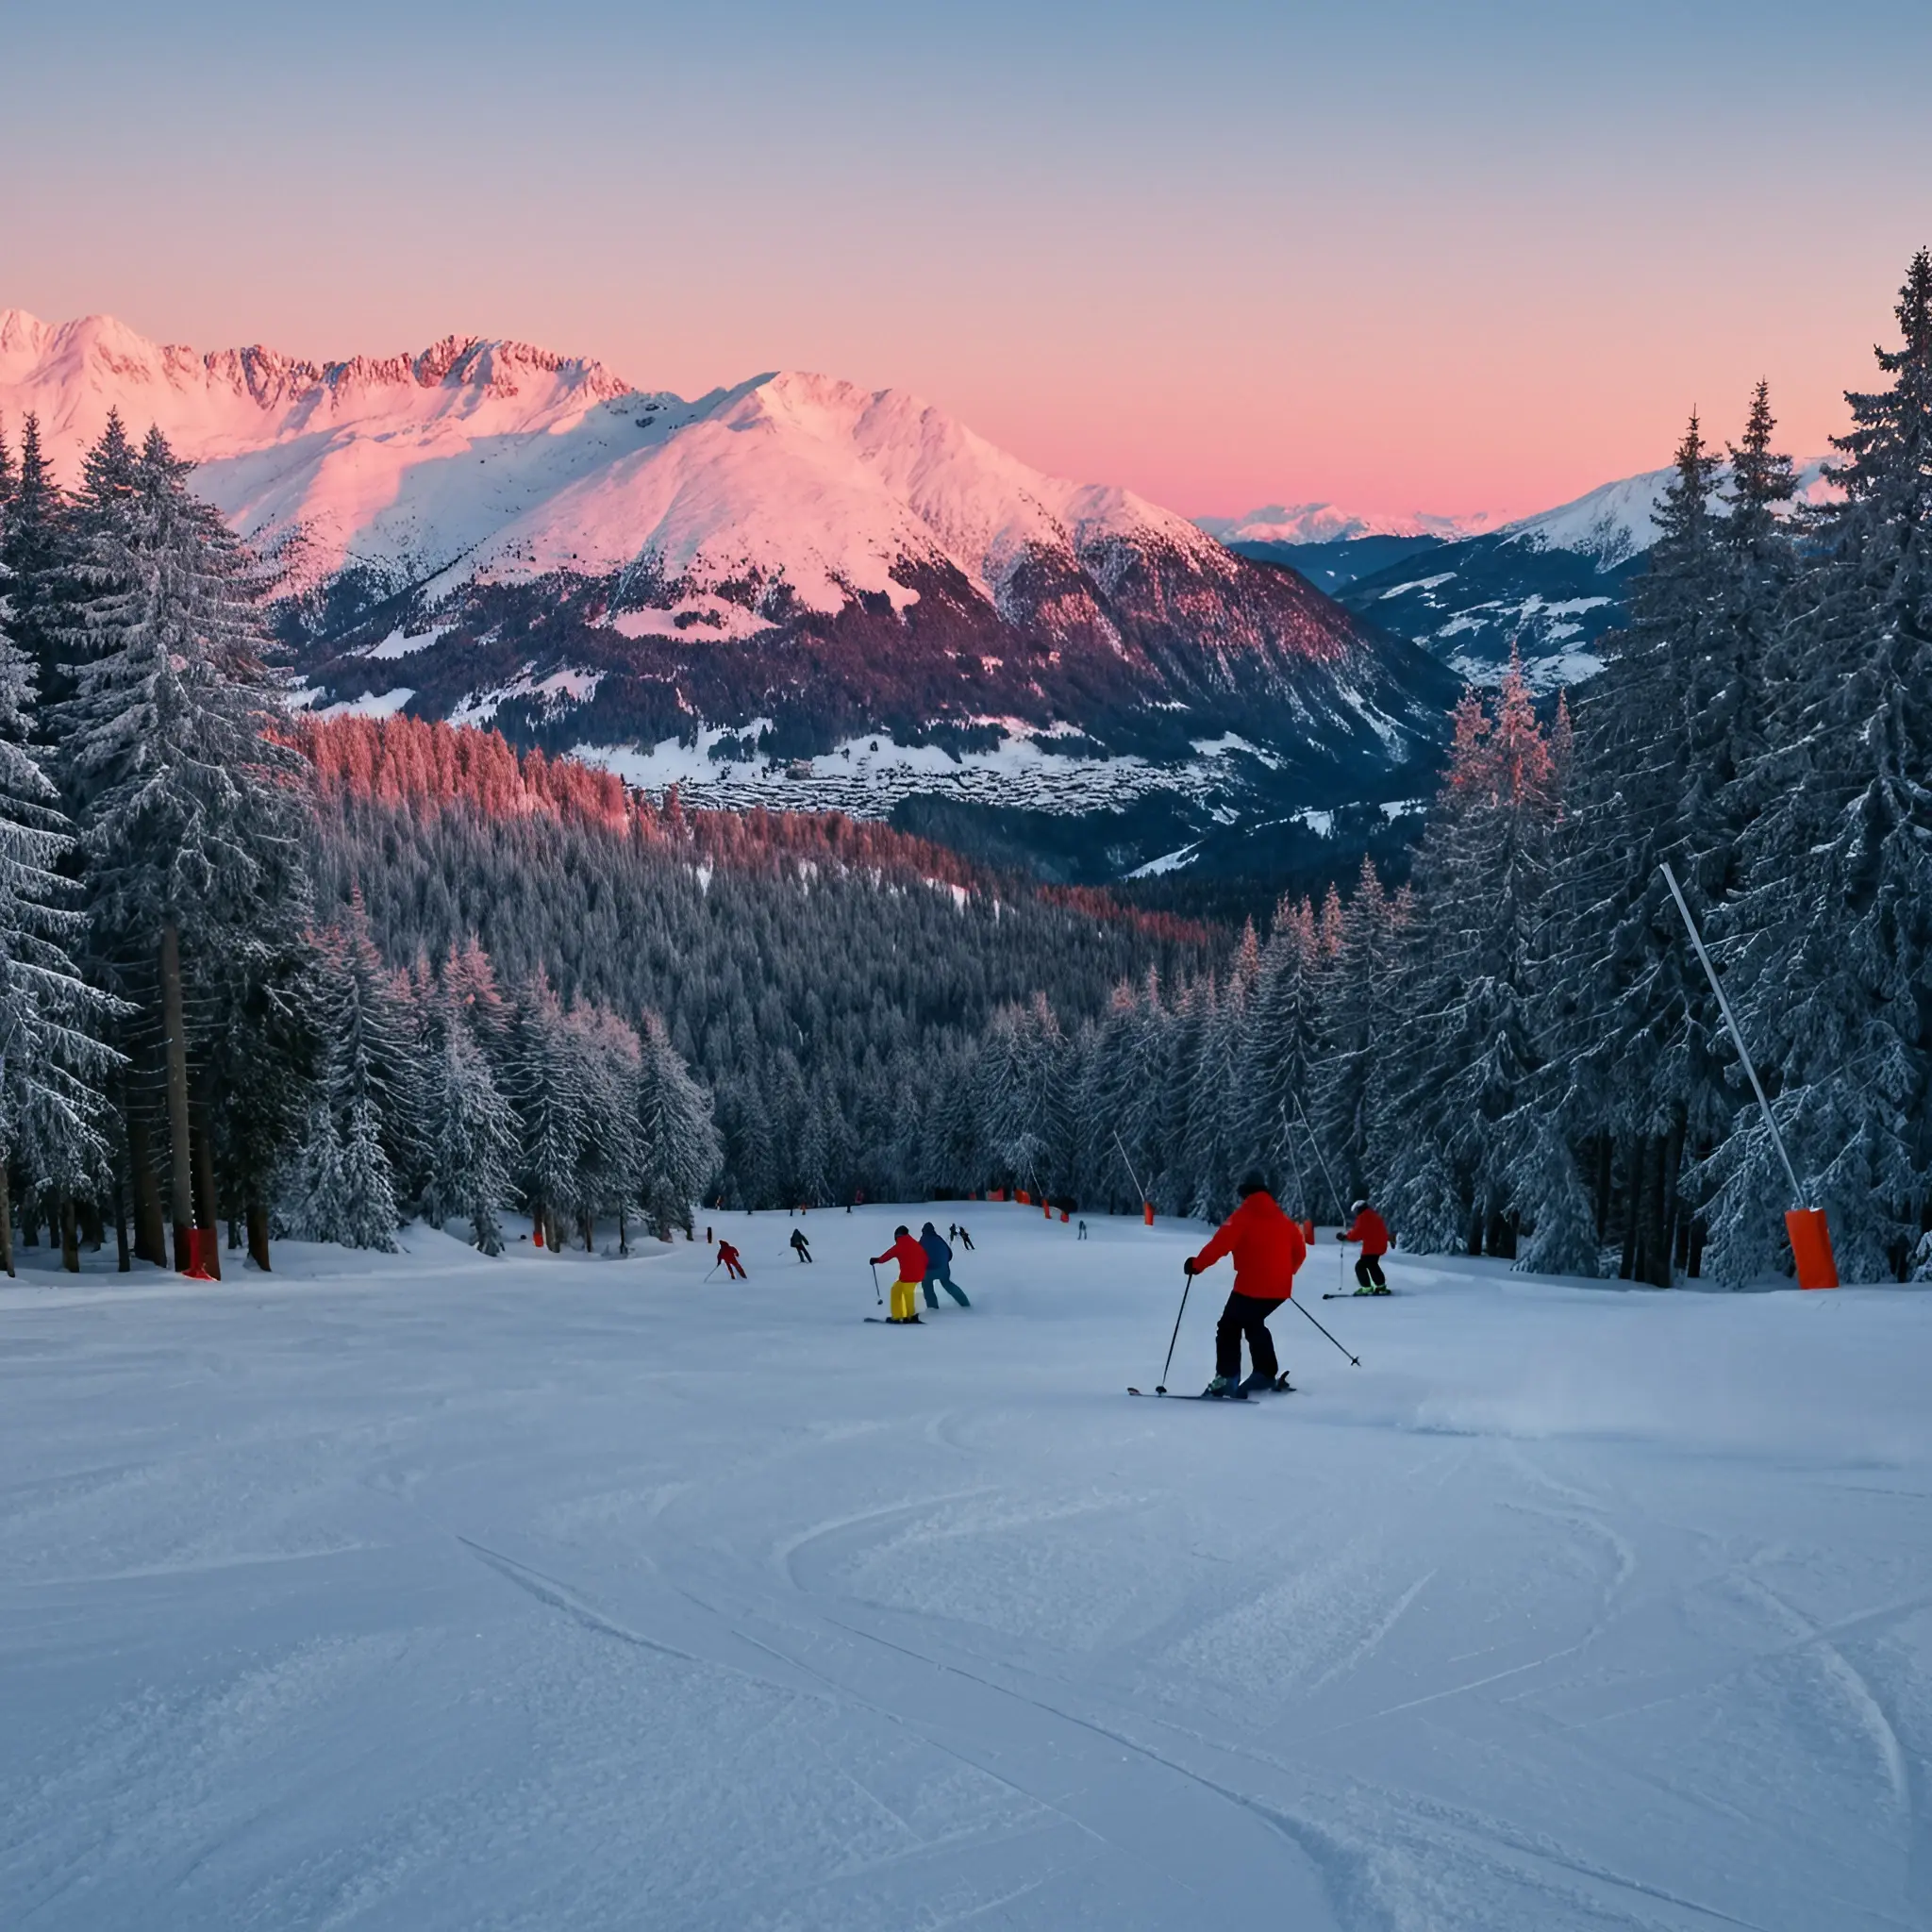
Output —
(1549, 585)
(794, 591)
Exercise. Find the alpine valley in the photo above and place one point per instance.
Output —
(805, 594)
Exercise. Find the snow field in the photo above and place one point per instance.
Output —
(425, 1592)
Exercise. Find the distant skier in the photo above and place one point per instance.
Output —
(733, 1266)
(965, 1239)
(912, 1259)
(1267, 1248)
(939, 1268)
(800, 1246)
(1372, 1232)
(1083, 1230)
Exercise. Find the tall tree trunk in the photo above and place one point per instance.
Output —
(29, 1224)
(208, 1214)
(1605, 1176)
(622, 1234)
(258, 1235)
(92, 1229)
(174, 1044)
(150, 1236)
(124, 1257)
(70, 1236)
(5, 1222)
(1653, 1240)
(1674, 1168)
(1634, 1164)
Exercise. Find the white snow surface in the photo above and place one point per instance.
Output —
(433, 1592)
(510, 461)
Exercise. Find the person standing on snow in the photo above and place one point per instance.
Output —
(1267, 1248)
(733, 1266)
(965, 1239)
(800, 1246)
(912, 1259)
(939, 1268)
(1372, 1232)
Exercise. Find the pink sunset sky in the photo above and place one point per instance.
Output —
(1452, 257)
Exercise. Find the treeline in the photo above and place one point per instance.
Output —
(189, 1033)
(1518, 1055)
(322, 978)
(826, 981)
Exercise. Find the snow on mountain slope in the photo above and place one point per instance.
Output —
(1616, 521)
(1327, 523)
(778, 570)
(1548, 586)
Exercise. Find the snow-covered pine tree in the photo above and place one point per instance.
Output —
(186, 799)
(364, 1146)
(1348, 1104)
(1633, 1067)
(1462, 1049)
(34, 554)
(473, 1138)
(608, 1167)
(55, 1059)
(1831, 946)
(545, 1090)
(1276, 1052)
(678, 1149)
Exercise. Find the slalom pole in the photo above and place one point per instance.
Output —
(1160, 1387)
(1355, 1360)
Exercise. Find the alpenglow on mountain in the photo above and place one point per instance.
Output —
(795, 592)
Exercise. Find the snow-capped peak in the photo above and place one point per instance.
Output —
(1328, 523)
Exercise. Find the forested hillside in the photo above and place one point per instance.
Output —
(328, 976)
(1519, 1053)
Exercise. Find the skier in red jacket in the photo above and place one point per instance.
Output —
(1267, 1248)
(912, 1259)
(733, 1266)
(1372, 1232)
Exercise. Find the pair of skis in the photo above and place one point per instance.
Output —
(1280, 1385)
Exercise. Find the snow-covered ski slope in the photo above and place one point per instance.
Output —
(553, 1593)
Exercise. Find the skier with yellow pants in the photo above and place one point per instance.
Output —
(911, 1259)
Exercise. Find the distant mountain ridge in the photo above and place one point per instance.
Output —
(1548, 584)
(794, 591)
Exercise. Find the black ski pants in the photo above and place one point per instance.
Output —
(1367, 1271)
(1244, 1315)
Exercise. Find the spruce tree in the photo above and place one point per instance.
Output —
(1831, 942)
(678, 1151)
(185, 796)
(473, 1140)
(55, 1059)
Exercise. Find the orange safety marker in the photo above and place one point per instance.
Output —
(1811, 1246)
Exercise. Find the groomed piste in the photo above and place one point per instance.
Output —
(426, 1591)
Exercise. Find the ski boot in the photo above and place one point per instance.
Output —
(1259, 1384)
(1226, 1388)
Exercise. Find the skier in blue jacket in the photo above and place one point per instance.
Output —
(939, 1267)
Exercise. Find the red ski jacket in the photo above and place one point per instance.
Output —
(727, 1252)
(910, 1255)
(1370, 1230)
(1266, 1245)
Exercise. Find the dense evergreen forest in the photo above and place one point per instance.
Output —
(326, 977)
(1518, 1052)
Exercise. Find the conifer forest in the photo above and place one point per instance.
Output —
(264, 974)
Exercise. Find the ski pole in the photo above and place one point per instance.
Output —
(1355, 1360)
(875, 1295)
(1160, 1387)
(709, 1272)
